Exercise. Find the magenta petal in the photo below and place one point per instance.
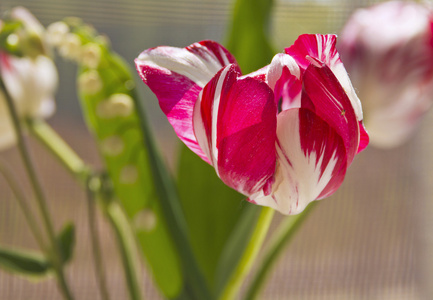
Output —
(364, 139)
(322, 48)
(324, 95)
(176, 76)
(312, 161)
(288, 89)
(236, 127)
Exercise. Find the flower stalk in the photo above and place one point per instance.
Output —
(83, 174)
(286, 231)
(54, 251)
(249, 256)
(94, 238)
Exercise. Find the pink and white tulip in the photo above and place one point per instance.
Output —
(283, 135)
(31, 82)
(388, 52)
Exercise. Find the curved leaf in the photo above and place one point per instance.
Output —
(23, 262)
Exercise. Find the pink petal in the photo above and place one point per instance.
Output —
(312, 162)
(288, 89)
(364, 139)
(176, 76)
(260, 74)
(235, 125)
(324, 95)
(322, 48)
(279, 62)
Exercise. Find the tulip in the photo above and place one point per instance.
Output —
(30, 80)
(388, 52)
(283, 135)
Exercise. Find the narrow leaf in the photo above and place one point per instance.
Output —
(236, 243)
(22, 262)
(66, 242)
(212, 211)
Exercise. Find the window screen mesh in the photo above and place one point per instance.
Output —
(371, 240)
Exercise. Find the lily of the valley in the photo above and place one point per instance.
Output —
(388, 52)
(283, 136)
(31, 81)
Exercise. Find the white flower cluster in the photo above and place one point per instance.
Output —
(71, 46)
(30, 79)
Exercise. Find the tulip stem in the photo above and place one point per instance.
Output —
(127, 247)
(94, 238)
(286, 231)
(83, 174)
(54, 251)
(249, 256)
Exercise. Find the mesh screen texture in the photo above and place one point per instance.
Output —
(370, 240)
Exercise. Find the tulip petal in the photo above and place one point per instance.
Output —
(324, 95)
(322, 48)
(288, 89)
(312, 162)
(176, 76)
(280, 62)
(364, 138)
(235, 125)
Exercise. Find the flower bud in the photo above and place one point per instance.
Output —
(90, 82)
(90, 55)
(112, 145)
(56, 33)
(70, 47)
(118, 105)
(145, 220)
(128, 174)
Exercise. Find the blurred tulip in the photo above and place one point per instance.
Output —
(388, 52)
(31, 79)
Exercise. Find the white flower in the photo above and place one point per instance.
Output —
(56, 32)
(70, 47)
(90, 55)
(30, 81)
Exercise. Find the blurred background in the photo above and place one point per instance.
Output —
(370, 240)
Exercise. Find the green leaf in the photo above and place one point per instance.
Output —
(22, 262)
(236, 244)
(212, 211)
(66, 242)
(121, 142)
(248, 38)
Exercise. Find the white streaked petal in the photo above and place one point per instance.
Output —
(198, 62)
(311, 162)
(275, 69)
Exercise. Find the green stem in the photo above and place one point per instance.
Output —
(286, 231)
(170, 204)
(127, 247)
(82, 172)
(249, 256)
(95, 242)
(57, 146)
(39, 196)
(28, 214)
